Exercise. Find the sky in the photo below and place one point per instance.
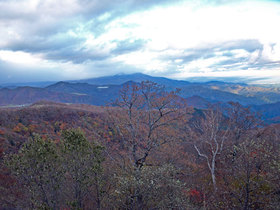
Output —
(51, 40)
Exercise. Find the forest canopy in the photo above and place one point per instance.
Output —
(146, 150)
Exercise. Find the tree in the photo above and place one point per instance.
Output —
(252, 177)
(54, 175)
(209, 133)
(37, 168)
(82, 162)
(144, 118)
(158, 186)
(242, 120)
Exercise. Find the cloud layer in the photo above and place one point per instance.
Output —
(74, 39)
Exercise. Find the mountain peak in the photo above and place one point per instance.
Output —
(138, 77)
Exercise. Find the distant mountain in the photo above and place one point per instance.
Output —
(220, 83)
(109, 92)
(100, 91)
(264, 94)
(214, 95)
(99, 94)
(29, 84)
(211, 90)
(197, 102)
(269, 111)
(28, 95)
(137, 77)
(73, 88)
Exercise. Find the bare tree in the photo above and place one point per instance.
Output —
(144, 118)
(208, 134)
(241, 122)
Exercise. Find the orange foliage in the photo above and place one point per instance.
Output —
(63, 126)
(20, 128)
(32, 128)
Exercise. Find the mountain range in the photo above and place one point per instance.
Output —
(102, 90)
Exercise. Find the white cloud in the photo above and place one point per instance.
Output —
(257, 76)
(182, 38)
(271, 52)
(185, 26)
(21, 58)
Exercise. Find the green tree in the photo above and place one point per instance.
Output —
(157, 187)
(37, 168)
(54, 176)
(82, 162)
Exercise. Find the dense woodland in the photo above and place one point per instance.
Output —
(146, 150)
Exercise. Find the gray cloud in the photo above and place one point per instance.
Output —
(44, 44)
(249, 45)
(13, 73)
(76, 56)
(226, 50)
(59, 31)
(48, 27)
(128, 46)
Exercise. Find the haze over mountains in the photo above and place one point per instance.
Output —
(102, 90)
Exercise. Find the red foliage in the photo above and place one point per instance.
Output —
(196, 196)
(253, 154)
(1, 152)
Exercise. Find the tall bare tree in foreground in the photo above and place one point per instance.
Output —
(144, 119)
(209, 133)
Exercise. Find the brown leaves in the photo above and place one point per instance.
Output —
(145, 118)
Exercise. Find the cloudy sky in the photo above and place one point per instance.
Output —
(49, 40)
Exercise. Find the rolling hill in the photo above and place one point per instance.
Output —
(100, 91)
(213, 90)
(28, 95)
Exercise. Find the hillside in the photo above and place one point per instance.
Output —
(269, 111)
(214, 95)
(213, 91)
(99, 94)
(28, 95)
(103, 90)
(110, 130)
(266, 94)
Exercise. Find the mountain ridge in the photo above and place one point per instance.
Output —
(101, 93)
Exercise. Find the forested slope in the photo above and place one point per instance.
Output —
(151, 150)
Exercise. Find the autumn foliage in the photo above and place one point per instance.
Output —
(147, 150)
